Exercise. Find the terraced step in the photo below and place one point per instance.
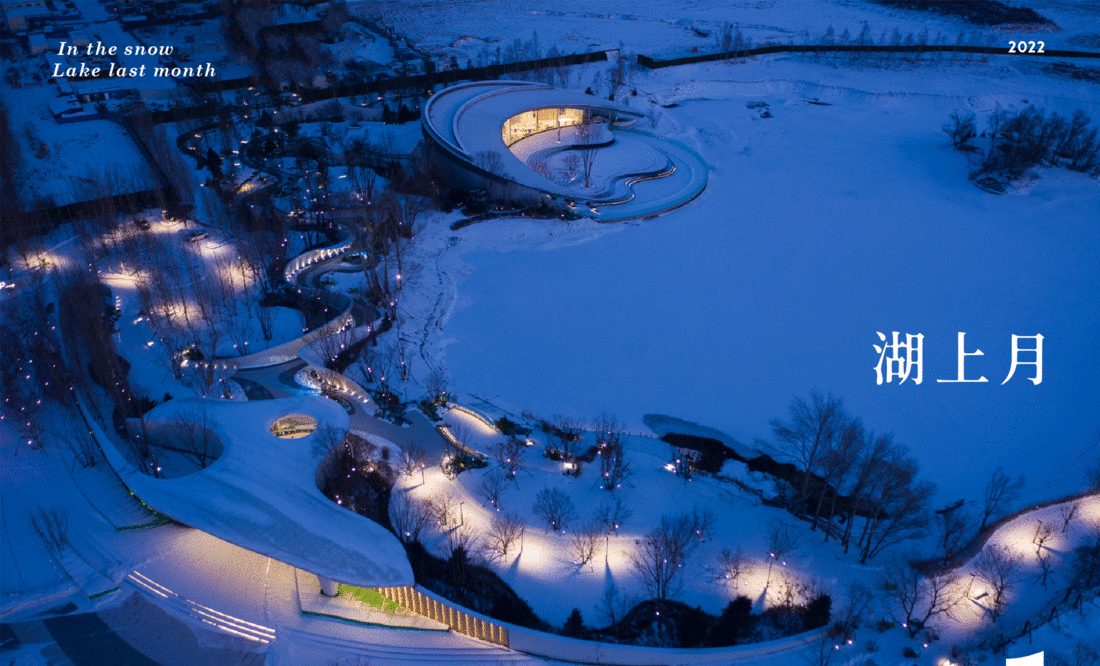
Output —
(220, 621)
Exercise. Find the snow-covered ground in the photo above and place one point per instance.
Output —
(819, 227)
(67, 163)
(674, 27)
(543, 568)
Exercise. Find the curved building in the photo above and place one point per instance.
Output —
(532, 143)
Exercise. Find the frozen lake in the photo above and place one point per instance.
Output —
(819, 227)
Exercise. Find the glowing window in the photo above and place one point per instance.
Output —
(540, 120)
(294, 426)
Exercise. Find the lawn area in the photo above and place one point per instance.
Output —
(372, 598)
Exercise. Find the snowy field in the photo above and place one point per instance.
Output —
(819, 227)
(672, 28)
(67, 163)
(543, 568)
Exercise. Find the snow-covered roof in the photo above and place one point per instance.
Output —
(261, 494)
(68, 103)
(637, 173)
(467, 119)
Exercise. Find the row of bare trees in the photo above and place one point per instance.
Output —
(849, 473)
(1018, 141)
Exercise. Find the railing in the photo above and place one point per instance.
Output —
(307, 259)
(288, 351)
(480, 417)
(459, 621)
(552, 646)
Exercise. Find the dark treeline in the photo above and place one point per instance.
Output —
(1028, 138)
(855, 47)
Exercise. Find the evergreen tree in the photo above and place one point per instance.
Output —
(733, 623)
(818, 612)
(214, 162)
(574, 626)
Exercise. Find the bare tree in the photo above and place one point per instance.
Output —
(1068, 513)
(820, 652)
(1083, 655)
(493, 169)
(327, 439)
(682, 461)
(463, 538)
(505, 529)
(53, 526)
(1000, 490)
(563, 439)
(436, 387)
(613, 607)
(584, 543)
(611, 515)
(700, 521)
(808, 433)
(1084, 577)
(444, 509)
(998, 567)
(732, 564)
(837, 465)
(509, 454)
(859, 598)
(955, 528)
(400, 356)
(619, 75)
(1045, 556)
(83, 446)
(960, 127)
(781, 540)
(659, 561)
(555, 507)
(588, 144)
(409, 516)
(416, 458)
(571, 164)
(492, 488)
(917, 599)
(614, 468)
(1043, 532)
(896, 503)
(193, 430)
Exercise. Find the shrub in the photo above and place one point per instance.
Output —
(733, 622)
(462, 461)
(910, 653)
(818, 612)
(511, 608)
(695, 625)
(430, 410)
(506, 426)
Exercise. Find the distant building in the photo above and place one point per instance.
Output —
(530, 143)
(24, 14)
(37, 43)
(69, 110)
